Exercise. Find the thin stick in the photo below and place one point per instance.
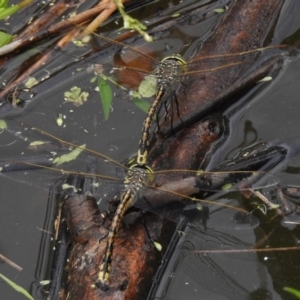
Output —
(11, 263)
(248, 250)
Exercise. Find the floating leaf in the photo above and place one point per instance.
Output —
(59, 121)
(141, 104)
(200, 172)
(8, 11)
(5, 38)
(66, 186)
(158, 246)
(16, 287)
(93, 79)
(3, 4)
(76, 96)
(45, 282)
(265, 79)
(147, 88)
(106, 95)
(199, 207)
(3, 125)
(219, 10)
(78, 43)
(226, 186)
(31, 82)
(68, 157)
(293, 291)
(37, 143)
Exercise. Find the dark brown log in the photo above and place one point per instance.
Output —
(134, 258)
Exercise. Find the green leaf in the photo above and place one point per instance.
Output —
(31, 82)
(106, 96)
(293, 291)
(16, 287)
(68, 157)
(5, 38)
(131, 23)
(75, 96)
(93, 79)
(219, 10)
(3, 125)
(59, 121)
(147, 87)
(142, 104)
(226, 186)
(3, 4)
(8, 11)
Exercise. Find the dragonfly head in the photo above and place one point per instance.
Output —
(146, 169)
(179, 59)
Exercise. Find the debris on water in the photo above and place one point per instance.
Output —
(76, 96)
(70, 156)
(266, 79)
(31, 82)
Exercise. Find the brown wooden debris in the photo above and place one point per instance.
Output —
(134, 255)
(105, 8)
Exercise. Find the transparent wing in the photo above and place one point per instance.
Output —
(39, 159)
(190, 196)
(104, 176)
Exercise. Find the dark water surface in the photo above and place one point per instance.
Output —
(272, 115)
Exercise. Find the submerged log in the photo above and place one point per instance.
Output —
(132, 255)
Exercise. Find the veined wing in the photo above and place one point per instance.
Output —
(42, 159)
(169, 185)
(131, 64)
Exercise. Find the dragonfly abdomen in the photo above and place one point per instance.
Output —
(136, 178)
(142, 154)
(127, 199)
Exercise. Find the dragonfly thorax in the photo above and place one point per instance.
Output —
(137, 177)
(169, 68)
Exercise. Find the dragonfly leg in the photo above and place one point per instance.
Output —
(177, 108)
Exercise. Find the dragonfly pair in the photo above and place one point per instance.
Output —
(167, 74)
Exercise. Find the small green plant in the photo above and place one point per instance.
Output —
(131, 23)
(292, 291)
(6, 11)
(16, 287)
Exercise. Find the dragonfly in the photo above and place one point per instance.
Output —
(133, 183)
